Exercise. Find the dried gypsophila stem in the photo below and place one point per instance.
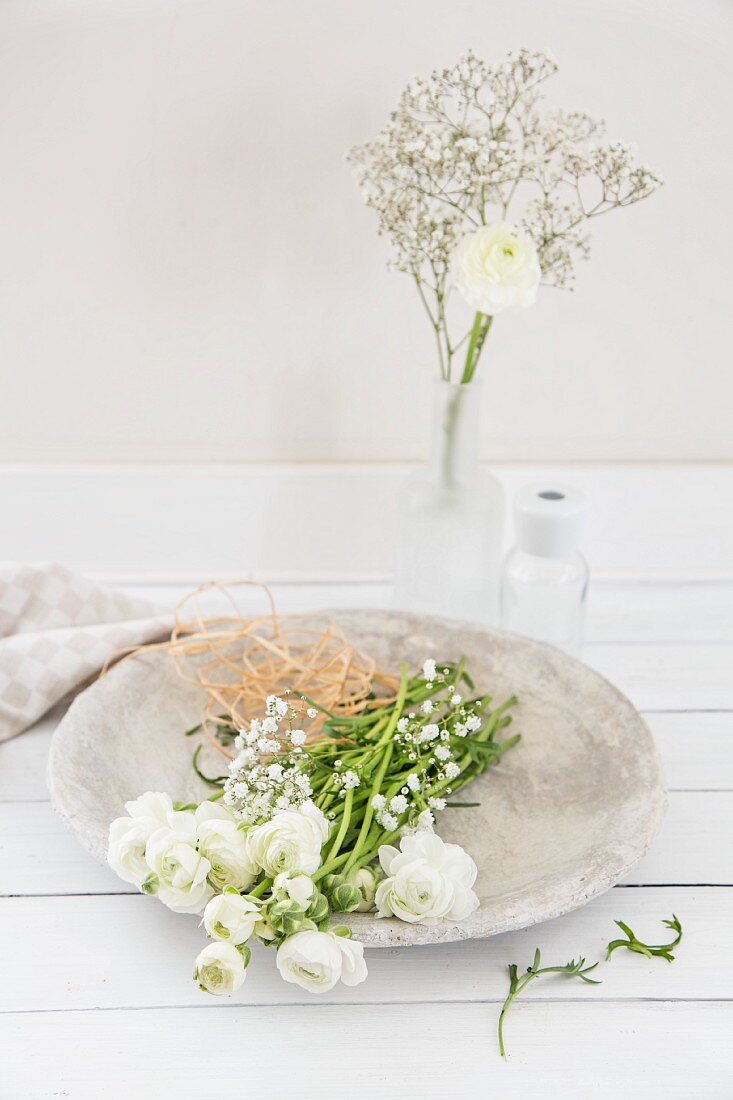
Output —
(474, 143)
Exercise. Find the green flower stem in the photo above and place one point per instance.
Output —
(386, 739)
(348, 802)
(481, 326)
(261, 888)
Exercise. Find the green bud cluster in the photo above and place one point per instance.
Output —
(286, 917)
(343, 896)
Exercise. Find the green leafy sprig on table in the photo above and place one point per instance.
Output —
(576, 968)
(631, 943)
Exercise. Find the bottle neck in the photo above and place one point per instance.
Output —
(454, 449)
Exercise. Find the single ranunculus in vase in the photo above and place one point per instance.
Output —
(496, 268)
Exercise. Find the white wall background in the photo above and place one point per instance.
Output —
(187, 270)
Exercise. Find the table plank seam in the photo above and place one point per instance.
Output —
(312, 1003)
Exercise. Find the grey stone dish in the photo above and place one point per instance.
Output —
(563, 817)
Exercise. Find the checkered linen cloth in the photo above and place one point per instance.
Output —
(56, 630)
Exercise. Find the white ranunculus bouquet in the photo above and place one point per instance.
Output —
(304, 827)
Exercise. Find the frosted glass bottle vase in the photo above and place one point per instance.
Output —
(451, 519)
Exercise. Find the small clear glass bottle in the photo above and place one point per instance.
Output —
(544, 578)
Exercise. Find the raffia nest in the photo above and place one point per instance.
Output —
(239, 661)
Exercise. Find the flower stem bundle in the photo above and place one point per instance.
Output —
(303, 827)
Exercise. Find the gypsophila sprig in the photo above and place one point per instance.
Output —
(478, 184)
(576, 968)
(631, 943)
(302, 828)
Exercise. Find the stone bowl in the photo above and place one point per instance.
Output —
(563, 817)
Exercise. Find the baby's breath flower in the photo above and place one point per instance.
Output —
(428, 669)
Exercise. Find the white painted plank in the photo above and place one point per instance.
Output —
(644, 519)
(668, 677)
(618, 611)
(38, 854)
(696, 749)
(23, 761)
(132, 952)
(659, 612)
(694, 845)
(653, 1051)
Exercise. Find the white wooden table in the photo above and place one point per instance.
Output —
(96, 997)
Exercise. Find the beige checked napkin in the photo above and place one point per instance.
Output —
(56, 630)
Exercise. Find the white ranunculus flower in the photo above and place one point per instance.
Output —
(317, 960)
(219, 969)
(225, 846)
(230, 917)
(366, 880)
(427, 881)
(152, 804)
(290, 841)
(496, 268)
(128, 836)
(297, 887)
(126, 849)
(181, 871)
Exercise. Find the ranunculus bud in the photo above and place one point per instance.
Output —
(319, 909)
(288, 916)
(345, 898)
(366, 880)
(330, 882)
